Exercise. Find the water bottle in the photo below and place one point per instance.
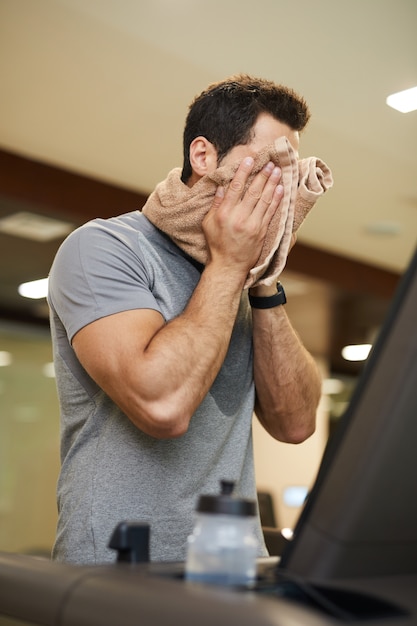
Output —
(223, 546)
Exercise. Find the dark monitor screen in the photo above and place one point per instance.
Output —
(360, 518)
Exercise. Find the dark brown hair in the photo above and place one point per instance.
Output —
(226, 112)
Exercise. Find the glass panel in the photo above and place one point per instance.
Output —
(29, 440)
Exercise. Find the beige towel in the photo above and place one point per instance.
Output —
(178, 210)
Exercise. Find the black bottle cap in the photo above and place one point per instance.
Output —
(225, 503)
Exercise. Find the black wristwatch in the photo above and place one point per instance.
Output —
(268, 302)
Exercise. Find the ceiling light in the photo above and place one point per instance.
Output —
(357, 352)
(287, 533)
(403, 101)
(34, 289)
(34, 227)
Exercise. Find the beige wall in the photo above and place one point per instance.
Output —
(29, 442)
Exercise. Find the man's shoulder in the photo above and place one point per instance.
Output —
(102, 233)
(127, 226)
(132, 222)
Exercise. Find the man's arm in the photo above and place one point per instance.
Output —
(159, 373)
(287, 380)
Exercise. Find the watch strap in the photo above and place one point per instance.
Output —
(269, 302)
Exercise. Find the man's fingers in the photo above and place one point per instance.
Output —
(271, 193)
(218, 197)
(262, 187)
(240, 178)
(261, 197)
(262, 191)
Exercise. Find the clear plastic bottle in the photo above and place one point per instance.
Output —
(223, 547)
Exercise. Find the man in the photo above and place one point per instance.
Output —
(160, 360)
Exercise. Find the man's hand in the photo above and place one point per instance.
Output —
(236, 225)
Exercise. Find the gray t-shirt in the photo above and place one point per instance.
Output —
(111, 470)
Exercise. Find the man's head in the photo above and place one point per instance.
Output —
(226, 112)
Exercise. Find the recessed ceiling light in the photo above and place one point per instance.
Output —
(403, 101)
(34, 227)
(287, 533)
(358, 352)
(34, 289)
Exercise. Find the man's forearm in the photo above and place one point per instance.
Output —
(184, 357)
(287, 380)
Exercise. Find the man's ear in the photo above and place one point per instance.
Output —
(203, 157)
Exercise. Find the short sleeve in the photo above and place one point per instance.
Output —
(98, 271)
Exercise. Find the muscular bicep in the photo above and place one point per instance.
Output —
(113, 352)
